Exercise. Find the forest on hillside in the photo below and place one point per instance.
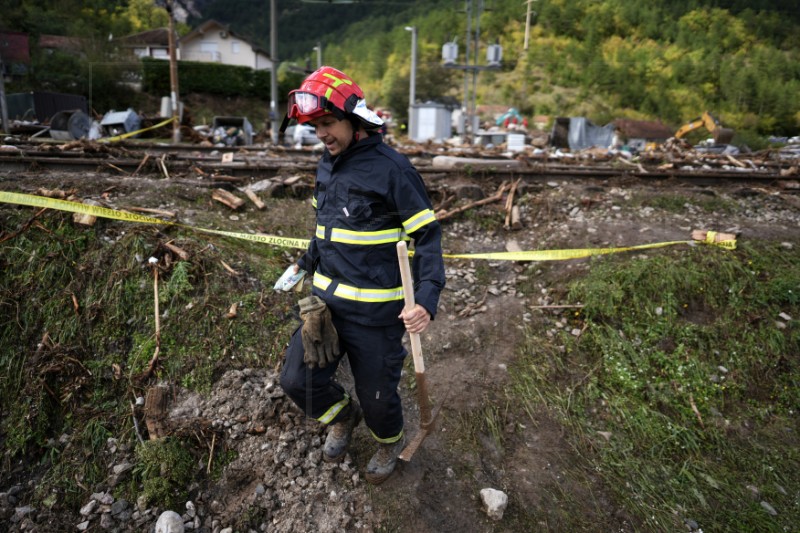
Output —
(663, 59)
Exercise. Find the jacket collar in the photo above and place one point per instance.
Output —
(371, 140)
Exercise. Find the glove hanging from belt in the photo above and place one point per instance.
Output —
(320, 340)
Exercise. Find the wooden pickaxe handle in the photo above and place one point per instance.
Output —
(416, 347)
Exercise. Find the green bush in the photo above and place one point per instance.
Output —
(208, 78)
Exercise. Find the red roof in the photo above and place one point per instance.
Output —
(14, 47)
(59, 42)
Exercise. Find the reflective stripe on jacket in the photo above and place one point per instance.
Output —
(367, 199)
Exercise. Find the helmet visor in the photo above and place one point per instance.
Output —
(303, 103)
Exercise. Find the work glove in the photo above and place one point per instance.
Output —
(320, 340)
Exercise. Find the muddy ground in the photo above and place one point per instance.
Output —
(470, 350)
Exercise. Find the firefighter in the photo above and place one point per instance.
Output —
(367, 197)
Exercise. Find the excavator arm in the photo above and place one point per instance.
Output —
(709, 122)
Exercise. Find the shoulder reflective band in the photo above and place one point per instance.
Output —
(348, 292)
(417, 221)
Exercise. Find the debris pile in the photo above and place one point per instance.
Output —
(276, 482)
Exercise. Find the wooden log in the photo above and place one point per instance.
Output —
(700, 235)
(180, 252)
(254, 198)
(160, 212)
(292, 180)
(55, 193)
(510, 203)
(85, 218)
(155, 412)
(451, 162)
(515, 220)
(227, 198)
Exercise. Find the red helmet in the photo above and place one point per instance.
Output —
(328, 90)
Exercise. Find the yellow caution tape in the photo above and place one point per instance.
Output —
(560, 255)
(134, 133)
(711, 238)
(105, 212)
(289, 242)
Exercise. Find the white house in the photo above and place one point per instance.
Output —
(214, 42)
(150, 43)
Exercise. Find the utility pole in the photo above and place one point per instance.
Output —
(318, 48)
(528, 24)
(3, 105)
(474, 109)
(494, 55)
(465, 115)
(173, 77)
(412, 86)
(273, 51)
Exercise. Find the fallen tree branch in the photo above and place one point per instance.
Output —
(24, 227)
(510, 204)
(154, 360)
(488, 200)
(170, 214)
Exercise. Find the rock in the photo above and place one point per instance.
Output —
(106, 522)
(89, 508)
(169, 522)
(769, 509)
(494, 502)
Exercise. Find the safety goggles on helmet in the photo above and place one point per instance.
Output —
(305, 105)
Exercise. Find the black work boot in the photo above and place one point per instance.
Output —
(340, 433)
(382, 464)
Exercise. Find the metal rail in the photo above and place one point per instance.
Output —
(262, 162)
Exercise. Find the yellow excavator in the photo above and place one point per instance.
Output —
(708, 121)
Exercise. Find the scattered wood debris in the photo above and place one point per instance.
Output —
(159, 212)
(227, 198)
(55, 193)
(496, 197)
(85, 218)
(254, 198)
(182, 254)
(701, 235)
(155, 411)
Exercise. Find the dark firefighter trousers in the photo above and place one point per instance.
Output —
(376, 357)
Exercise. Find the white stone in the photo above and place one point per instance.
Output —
(169, 522)
(494, 502)
(89, 508)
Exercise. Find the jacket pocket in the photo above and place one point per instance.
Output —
(364, 210)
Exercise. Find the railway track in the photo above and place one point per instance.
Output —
(129, 159)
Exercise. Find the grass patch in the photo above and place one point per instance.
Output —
(77, 319)
(682, 392)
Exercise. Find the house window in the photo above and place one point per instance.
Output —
(209, 47)
(209, 51)
(234, 47)
(160, 53)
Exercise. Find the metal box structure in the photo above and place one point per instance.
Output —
(430, 121)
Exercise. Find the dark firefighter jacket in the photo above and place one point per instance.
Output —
(368, 198)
